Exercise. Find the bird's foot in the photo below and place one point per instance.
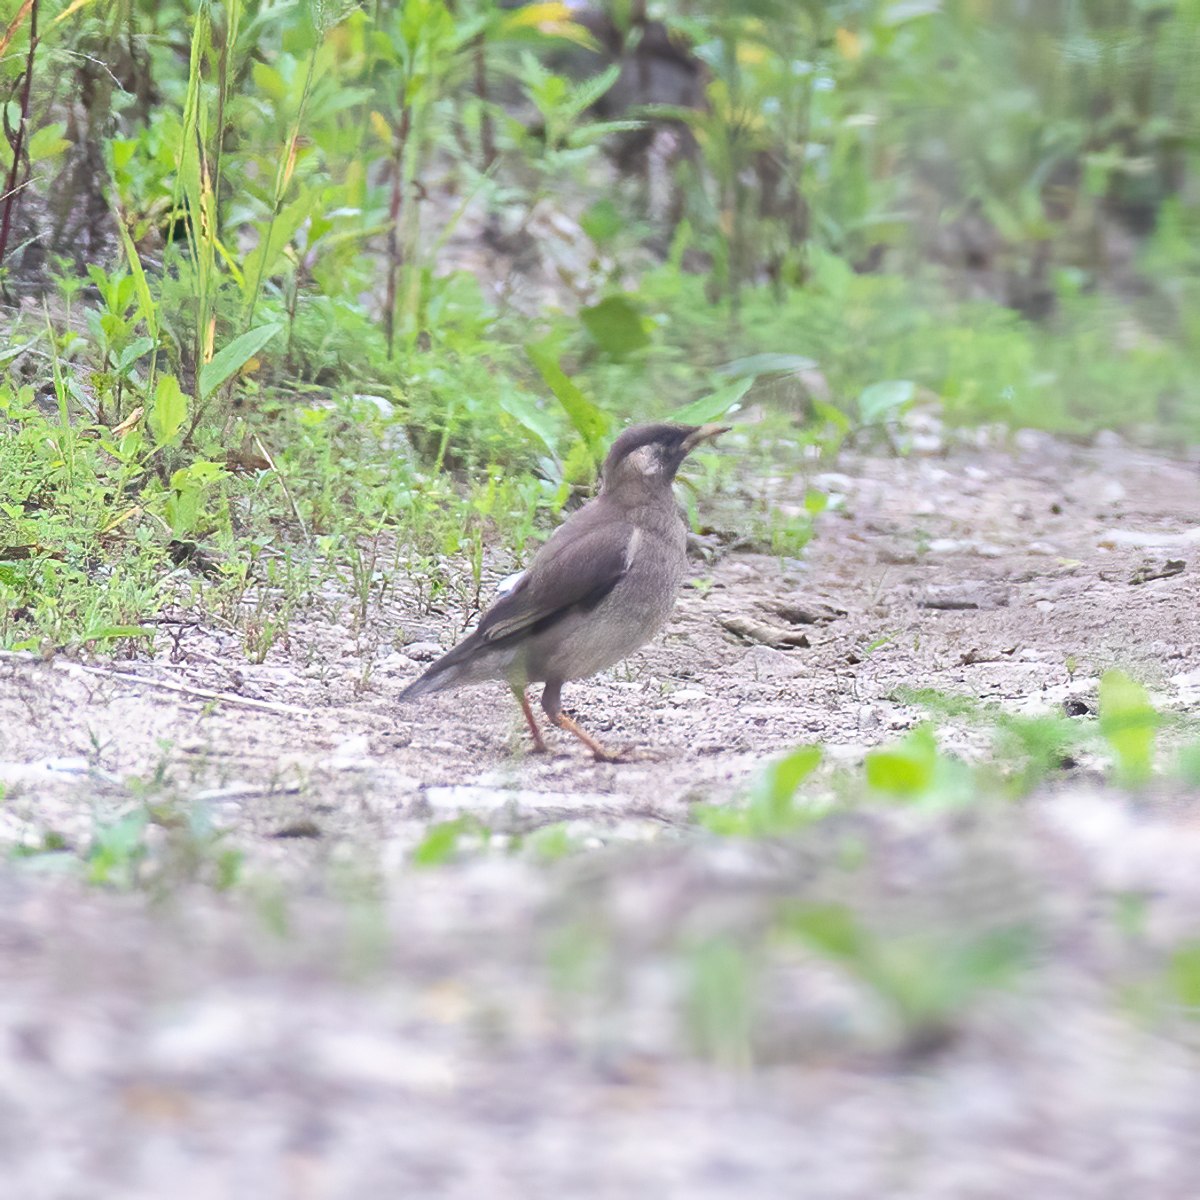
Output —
(600, 752)
(520, 748)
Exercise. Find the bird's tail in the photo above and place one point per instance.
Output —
(436, 679)
(449, 671)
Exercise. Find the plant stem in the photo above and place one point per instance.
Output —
(19, 155)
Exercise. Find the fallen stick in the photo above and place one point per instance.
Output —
(165, 685)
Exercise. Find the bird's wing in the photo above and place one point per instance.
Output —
(576, 571)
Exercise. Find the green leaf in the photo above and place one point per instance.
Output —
(274, 238)
(597, 131)
(1036, 745)
(721, 999)
(168, 411)
(117, 848)
(135, 350)
(270, 82)
(883, 400)
(440, 844)
(523, 409)
(146, 305)
(122, 151)
(1183, 975)
(1187, 766)
(714, 405)
(198, 476)
(1128, 723)
(837, 420)
(602, 222)
(47, 142)
(233, 357)
(8, 353)
(616, 326)
(722, 819)
(772, 810)
(916, 772)
(766, 364)
(552, 842)
(894, 771)
(183, 512)
(107, 633)
(584, 96)
(185, 504)
(591, 423)
(906, 769)
(786, 775)
(828, 928)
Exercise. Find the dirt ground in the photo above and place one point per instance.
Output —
(342, 1025)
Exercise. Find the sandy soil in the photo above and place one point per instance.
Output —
(342, 1025)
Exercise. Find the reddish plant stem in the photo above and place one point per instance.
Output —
(393, 235)
(11, 190)
(487, 131)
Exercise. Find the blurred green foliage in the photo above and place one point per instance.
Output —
(265, 244)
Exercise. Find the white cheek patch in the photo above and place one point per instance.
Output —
(646, 460)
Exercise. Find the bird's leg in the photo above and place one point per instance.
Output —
(552, 706)
(523, 700)
(598, 749)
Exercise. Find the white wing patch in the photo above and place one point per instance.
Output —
(509, 583)
(631, 550)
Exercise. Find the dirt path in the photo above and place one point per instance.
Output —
(408, 1038)
(1011, 577)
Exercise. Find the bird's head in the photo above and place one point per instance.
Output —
(647, 456)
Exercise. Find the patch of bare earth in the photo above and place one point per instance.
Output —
(344, 1025)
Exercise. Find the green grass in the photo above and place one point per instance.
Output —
(282, 362)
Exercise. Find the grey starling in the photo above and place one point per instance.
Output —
(602, 585)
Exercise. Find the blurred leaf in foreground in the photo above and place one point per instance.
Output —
(1128, 723)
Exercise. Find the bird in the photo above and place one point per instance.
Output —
(600, 587)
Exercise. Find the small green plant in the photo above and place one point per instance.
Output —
(442, 842)
(915, 771)
(553, 842)
(772, 810)
(1129, 724)
(1030, 748)
(720, 1000)
(1183, 978)
(1187, 766)
(925, 980)
(118, 850)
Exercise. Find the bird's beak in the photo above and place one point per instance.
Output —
(705, 433)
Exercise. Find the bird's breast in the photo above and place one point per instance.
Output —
(631, 614)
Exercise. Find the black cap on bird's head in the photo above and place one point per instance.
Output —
(653, 453)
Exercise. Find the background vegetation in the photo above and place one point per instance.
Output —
(306, 298)
(280, 275)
